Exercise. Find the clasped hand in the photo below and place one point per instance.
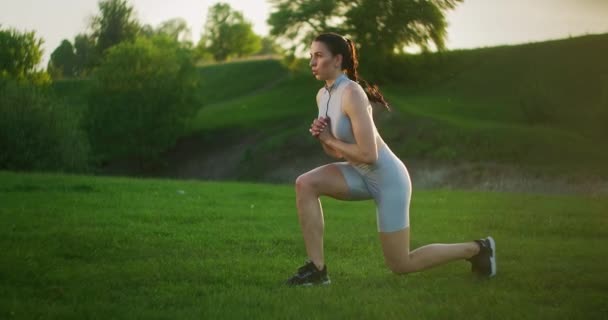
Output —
(317, 129)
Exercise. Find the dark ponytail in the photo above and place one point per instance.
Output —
(338, 44)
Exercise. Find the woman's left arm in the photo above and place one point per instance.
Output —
(364, 149)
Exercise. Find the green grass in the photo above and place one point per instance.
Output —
(93, 247)
(226, 81)
(457, 133)
(289, 101)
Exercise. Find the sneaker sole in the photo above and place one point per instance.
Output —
(493, 256)
(324, 283)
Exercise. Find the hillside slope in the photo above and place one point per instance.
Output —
(539, 109)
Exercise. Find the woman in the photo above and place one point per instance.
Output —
(345, 129)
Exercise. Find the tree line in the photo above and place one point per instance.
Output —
(227, 34)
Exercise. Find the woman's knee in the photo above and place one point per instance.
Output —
(399, 265)
(305, 183)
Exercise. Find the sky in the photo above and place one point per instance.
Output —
(474, 23)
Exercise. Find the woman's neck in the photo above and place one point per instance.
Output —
(330, 82)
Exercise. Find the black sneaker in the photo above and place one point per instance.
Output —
(484, 263)
(309, 275)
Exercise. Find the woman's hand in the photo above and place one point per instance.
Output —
(325, 135)
(317, 126)
(317, 129)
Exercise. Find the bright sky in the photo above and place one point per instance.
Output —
(475, 23)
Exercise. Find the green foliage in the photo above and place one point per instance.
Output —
(227, 34)
(297, 23)
(384, 27)
(63, 61)
(142, 94)
(175, 29)
(38, 131)
(269, 47)
(86, 55)
(73, 91)
(114, 24)
(389, 26)
(20, 54)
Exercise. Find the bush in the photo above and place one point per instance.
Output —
(141, 95)
(39, 132)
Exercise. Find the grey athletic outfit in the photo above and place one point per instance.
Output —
(387, 181)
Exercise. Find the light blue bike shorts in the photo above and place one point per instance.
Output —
(387, 182)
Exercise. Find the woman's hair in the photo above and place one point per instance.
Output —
(338, 44)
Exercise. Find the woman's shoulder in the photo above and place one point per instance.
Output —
(354, 92)
(354, 99)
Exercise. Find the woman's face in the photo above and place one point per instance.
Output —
(323, 64)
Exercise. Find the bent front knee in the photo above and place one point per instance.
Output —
(304, 183)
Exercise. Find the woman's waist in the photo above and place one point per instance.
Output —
(386, 160)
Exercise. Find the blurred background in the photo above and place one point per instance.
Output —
(500, 95)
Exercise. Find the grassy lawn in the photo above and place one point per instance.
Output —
(100, 247)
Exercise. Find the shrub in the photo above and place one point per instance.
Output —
(38, 131)
(142, 93)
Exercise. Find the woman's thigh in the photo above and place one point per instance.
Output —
(337, 180)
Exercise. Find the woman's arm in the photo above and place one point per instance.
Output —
(317, 126)
(355, 104)
(315, 132)
(330, 151)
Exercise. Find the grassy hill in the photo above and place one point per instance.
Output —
(541, 107)
(119, 248)
(540, 100)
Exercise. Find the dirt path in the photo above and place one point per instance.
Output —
(196, 158)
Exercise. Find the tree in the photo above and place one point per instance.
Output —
(20, 54)
(269, 47)
(142, 95)
(385, 26)
(228, 34)
(115, 23)
(85, 54)
(63, 61)
(74, 61)
(176, 29)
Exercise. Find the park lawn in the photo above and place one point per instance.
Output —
(123, 248)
